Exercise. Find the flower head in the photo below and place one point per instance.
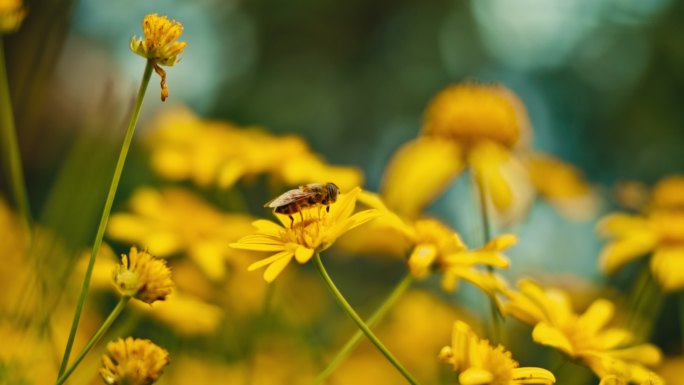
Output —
(311, 231)
(175, 221)
(12, 13)
(606, 350)
(143, 276)
(480, 363)
(133, 362)
(159, 45)
(668, 194)
(470, 113)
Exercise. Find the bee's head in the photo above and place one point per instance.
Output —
(333, 191)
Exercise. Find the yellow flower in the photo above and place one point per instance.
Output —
(133, 362)
(313, 232)
(185, 147)
(480, 363)
(187, 314)
(174, 221)
(659, 232)
(470, 113)
(606, 350)
(159, 45)
(143, 276)
(465, 125)
(668, 194)
(12, 13)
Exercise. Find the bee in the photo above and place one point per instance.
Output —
(309, 195)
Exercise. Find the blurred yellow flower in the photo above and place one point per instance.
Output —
(143, 277)
(584, 336)
(159, 45)
(12, 13)
(187, 314)
(659, 232)
(668, 194)
(480, 363)
(133, 362)
(185, 147)
(314, 232)
(465, 124)
(174, 221)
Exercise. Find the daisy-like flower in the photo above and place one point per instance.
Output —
(482, 127)
(431, 246)
(143, 277)
(12, 13)
(586, 337)
(660, 232)
(175, 221)
(159, 45)
(218, 153)
(133, 362)
(480, 363)
(312, 232)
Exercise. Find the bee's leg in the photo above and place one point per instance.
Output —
(291, 220)
(327, 209)
(301, 216)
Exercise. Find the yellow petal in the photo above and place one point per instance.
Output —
(257, 246)
(646, 354)
(303, 254)
(263, 262)
(421, 259)
(501, 242)
(546, 334)
(620, 224)
(209, 257)
(531, 375)
(487, 160)
(597, 315)
(274, 269)
(418, 173)
(622, 251)
(667, 265)
(267, 227)
(475, 376)
(344, 206)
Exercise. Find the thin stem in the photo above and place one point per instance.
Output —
(359, 322)
(379, 313)
(486, 235)
(10, 147)
(105, 213)
(96, 337)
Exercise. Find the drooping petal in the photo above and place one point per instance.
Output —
(421, 259)
(548, 335)
(624, 250)
(263, 262)
(532, 375)
(275, 268)
(418, 173)
(303, 254)
(475, 376)
(487, 160)
(667, 265)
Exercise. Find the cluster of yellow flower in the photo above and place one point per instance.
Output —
(214, 298)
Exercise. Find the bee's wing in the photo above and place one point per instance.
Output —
(289, 197)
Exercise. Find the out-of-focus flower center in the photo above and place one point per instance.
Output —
(669, 194)
(470, 113)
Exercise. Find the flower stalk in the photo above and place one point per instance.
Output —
(95, 338)
(359, 322)
(104, 218)
(481, 187)
(10, 149)
(354, 341)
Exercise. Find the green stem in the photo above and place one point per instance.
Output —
(359, 322)
(105, 213)
(96, 337)
(379, 313)
(487, 236)
(10, 145)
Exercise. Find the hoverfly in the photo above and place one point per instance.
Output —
(309, 195)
